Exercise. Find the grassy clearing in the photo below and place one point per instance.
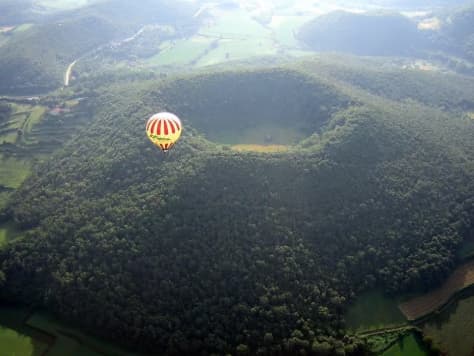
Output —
(23, 117)
(260, 148)
(372, 311)
(407, 345)
(275, 134)
(13, 171)
(71, 341)
(238, 49)
(452, 330)
(16, 343)
(239, 37)
(8, 232)
(461, 278)
(180, 52)
(34, 118)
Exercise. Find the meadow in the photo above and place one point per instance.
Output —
(407, 345)
(373, 310)
(24, 333)
(232, 36)
(16, 338)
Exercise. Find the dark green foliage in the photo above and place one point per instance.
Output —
(381, 34)
(208, 250)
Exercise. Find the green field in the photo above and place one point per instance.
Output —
(453, 330)
(180, 52)
(238, 49)
(15, 338)
(372, 311)
(409, 345)
(232, 36)
(13, 171)
(23, 117)
(71, 341)
(256, 135)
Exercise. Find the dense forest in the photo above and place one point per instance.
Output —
(379, 34)
(392, 34)
(208, 250)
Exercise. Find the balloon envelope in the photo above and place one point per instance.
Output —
(164, 129)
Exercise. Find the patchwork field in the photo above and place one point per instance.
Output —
(452, 330)
(232, 35)
(421, 306)
(372, 311)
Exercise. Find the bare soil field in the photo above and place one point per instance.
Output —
(418, 307)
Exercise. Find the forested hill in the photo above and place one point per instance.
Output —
(457, 34)
(37, 58)
(379, 34)
(34, 59)
(208, 250)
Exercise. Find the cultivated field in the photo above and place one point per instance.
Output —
(407, 345)
(421, 306)
(453, 330)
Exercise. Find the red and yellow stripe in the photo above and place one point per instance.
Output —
(164, 129)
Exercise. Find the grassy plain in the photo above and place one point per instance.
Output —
(231, 36)
(13, 171)
(15, 338)
(260, 148)
(71, 341)
(408, 345)
(372, 311)
(180, 52)
(452, 330)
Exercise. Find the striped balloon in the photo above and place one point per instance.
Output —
(164, 129)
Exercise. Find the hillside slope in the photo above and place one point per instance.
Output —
(209, 250)
(379, 34)
(37, 59)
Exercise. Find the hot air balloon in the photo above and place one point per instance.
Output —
(164, 129)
